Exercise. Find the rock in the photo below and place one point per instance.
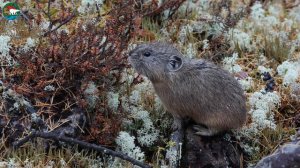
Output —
(206, 152)
(213, 152)
(286, 156)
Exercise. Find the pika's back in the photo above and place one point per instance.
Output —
(206, 93)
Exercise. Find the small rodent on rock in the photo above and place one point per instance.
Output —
(191, 88)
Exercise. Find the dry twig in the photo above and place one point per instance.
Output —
(62, 138)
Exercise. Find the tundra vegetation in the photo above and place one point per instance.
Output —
(64, 70)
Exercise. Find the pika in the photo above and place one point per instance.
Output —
(191, 88)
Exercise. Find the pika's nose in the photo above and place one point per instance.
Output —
(133, 52)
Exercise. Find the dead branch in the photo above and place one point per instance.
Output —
(69, 140)
(61, 24)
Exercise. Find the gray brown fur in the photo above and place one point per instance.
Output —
(198, 89)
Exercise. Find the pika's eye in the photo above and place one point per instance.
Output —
(147, 54)
(172, 63)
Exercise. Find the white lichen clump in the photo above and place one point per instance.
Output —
(126, 144)
(263, 69)
(229, 63)
(172, 156)
(257, 11)
(250, 150)
(139, 90)
(4, 45)
(240, 39)
(91, 94)
(262, 110)
(49, 88)
(127, 77)
(295, 14)
(290, 72)
(13, 163)
(271, 21)
(133, 103)
(246, 83)
(113, 100)
(45, 25)
(148, 134)
(184, 33)
(190, 51)
(295, 91)
(5, 58)
(28, 2)
(28, 163)
(205, 44)
(62, 162)
(30, 42)
(88, 5)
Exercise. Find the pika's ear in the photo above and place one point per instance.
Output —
(175, 63)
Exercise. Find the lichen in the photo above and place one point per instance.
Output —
(127, 146)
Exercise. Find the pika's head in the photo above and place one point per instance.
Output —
(155, 60)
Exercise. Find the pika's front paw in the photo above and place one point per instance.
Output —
(204, 131)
